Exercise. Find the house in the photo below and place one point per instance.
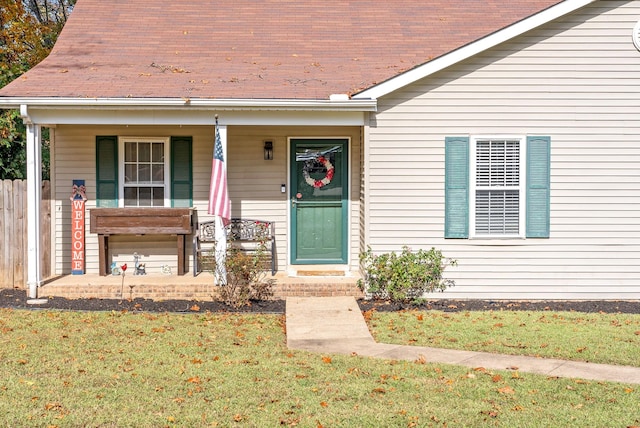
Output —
(505, 134)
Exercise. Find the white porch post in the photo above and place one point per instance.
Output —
(220, 233)
(34, 192)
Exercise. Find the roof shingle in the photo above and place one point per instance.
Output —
(247, 49)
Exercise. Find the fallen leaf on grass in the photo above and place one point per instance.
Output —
(368, 315)
(326, 360)
(506, 390)
(52, 406)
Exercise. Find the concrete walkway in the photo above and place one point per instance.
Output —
(335, 325)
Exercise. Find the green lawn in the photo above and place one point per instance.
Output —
(596, 338)
(71, 369)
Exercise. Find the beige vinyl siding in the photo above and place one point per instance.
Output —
(576, 80)
(254, 186)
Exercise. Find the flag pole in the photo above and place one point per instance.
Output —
(219, 204)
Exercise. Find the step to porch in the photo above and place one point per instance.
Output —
(187, 287)
(319, 273)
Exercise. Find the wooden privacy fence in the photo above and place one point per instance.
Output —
(13, 232)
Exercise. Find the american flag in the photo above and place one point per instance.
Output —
(219, 203)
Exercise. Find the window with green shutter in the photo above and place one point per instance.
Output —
(138, 172)
(144, 173)
(497, 187)
(496, 200)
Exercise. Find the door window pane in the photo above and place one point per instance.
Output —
(317, 171)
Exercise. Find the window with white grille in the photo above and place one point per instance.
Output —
(144, 168)
(497, 185)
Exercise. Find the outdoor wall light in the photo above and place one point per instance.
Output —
(268, 150)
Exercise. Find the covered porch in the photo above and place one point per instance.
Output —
(260, 187)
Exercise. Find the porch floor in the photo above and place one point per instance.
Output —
(188, 287)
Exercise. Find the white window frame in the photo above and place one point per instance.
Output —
(522, 186)
(121, 170)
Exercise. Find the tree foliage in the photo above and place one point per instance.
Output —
(28, 31)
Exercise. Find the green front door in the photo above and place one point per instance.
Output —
(319, 196)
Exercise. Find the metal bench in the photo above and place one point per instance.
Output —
(245, 233)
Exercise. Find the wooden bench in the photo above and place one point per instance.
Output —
(246, 233)
(140, 221)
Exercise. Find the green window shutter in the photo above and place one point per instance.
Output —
(538, 186)
(456, 195)
(107, 171)
(181, 172)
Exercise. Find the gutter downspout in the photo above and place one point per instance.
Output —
(34, 196)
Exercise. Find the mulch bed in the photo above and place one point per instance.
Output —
(17, 298)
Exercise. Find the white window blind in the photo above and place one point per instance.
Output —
(497, 187)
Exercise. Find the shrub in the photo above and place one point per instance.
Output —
(404, 277)
(244, 273)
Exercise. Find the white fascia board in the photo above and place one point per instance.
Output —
(190, 116)
(176, 111)
(474, 48)
(340, 104)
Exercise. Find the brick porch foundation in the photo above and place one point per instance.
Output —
(185, 287)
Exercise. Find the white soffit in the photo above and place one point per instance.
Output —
(467, 51)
